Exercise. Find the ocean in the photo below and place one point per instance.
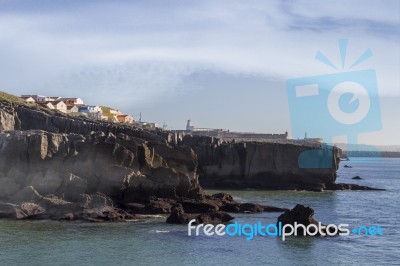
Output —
(153, 242)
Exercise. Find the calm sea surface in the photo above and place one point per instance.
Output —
(155, 242)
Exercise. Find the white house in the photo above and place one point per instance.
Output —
(48, 105)
(38, 98)
(60, 106)
(72, 109)
(73, 101)
(28, 99)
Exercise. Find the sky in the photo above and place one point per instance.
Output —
(222, 64)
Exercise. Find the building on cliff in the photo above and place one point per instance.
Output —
(73, 102)
(226, 134)
(28, 99)
(125, 119)
(92, 111)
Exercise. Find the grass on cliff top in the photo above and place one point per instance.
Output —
(106, 112)
(4, 96)
(10, 98)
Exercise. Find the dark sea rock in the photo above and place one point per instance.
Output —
(348, 166)
(214, 218)
(178, 216)
(300, 214)
(357, 177)
(342, 186)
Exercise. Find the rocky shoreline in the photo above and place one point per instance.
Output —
(53, 166)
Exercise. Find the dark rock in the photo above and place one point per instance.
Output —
(214, 218)
(231, 207)
(357, 178)
(300, 214)
(223, 196)
(56, 166)
(159, 206)
(348, 166)
(135, 207)
(342, 186)
(268, 165)
(250, 207)
(197, 206)
(178, 216)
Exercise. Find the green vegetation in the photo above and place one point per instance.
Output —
(4, 96)
(107, 112)
(10, 98)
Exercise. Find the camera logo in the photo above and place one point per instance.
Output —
(344, 103)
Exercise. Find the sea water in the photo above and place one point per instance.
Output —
(153, 242)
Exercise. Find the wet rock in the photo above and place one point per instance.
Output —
(223, 196)
(300, 214)
(106, 214)
(159, 206)
(178, 216)
(214, 218)
(342, 186)
(198, 206)
(357, 177)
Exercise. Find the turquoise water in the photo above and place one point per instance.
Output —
(155, 242)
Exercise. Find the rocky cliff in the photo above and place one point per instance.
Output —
(261, 165)
(53, 166)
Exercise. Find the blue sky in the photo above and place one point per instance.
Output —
(223, 64)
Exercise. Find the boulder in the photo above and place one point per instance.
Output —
(301, 215)
(198, 206)
(178, 216)
(214, 218)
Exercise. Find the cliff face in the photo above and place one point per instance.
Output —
(260, 165)
(33, 119)
(93, 150)
(49, 160)
(67, 165)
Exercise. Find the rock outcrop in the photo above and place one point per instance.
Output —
(35, 164)
(269, 165)
(303, 215)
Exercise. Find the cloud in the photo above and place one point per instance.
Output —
(142, 50)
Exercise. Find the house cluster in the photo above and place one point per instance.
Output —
(76, 106)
